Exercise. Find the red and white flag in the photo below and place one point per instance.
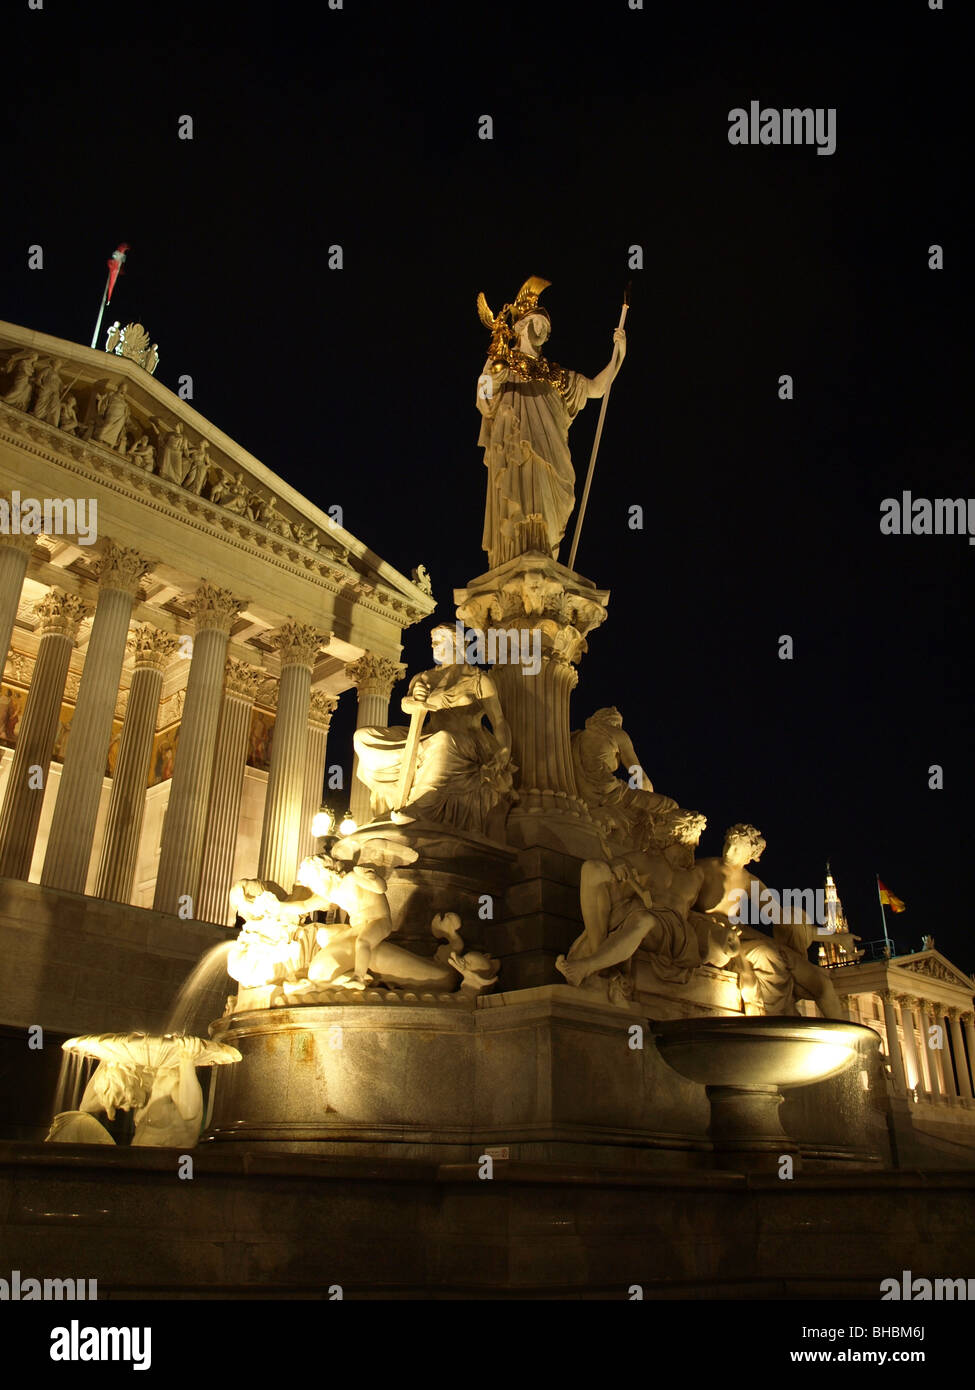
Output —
(114, 268)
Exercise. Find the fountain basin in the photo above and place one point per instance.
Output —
(745, 1063)
(750, 1052)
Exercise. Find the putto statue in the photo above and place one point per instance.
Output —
(280, 946)
(527, 404)
(446, 766)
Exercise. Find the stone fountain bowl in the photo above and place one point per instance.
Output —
(758, 1051)
(150, 1051)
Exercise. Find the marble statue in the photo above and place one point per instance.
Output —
(279, 945)
(527, 405)
(623, 812)
(174, 447)
(20, 392)
(645, 898)
(69, 415)
(113, 414)
(463, 772)
(47, 395)
(172, 1117)
(421, 579)
(275, 945)
(307, 535)
(231, 493)
(773, 973)
(143, 453)
(198, 469)
(154, 1077)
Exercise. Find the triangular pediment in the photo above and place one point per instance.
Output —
(936, 967)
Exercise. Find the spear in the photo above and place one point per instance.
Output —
(595, 443)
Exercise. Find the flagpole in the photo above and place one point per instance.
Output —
(98, 325)
(883, 915)
(595, 445)
(114, 270)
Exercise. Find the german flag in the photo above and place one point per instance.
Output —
(889, 899)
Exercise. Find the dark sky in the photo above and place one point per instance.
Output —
(359, 127)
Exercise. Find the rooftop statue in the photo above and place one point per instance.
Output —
(527, 405)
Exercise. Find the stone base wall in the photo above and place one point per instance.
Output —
(253, 1224)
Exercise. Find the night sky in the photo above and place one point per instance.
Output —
(359, 127)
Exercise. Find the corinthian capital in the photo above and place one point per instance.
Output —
(61, 613)
(298, 644)
(374, 675)
(242, 680)
(122, 569)
(151, 647)
(321, 709)
(214, 608)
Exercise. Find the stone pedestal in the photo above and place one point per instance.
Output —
(548, 1075)
(532, 616)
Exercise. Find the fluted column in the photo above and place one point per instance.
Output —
(894, 1046)
(181, 857)
(60, 616)
(374, 678)
(298, 645)
(968, 1021)
(929, 1017)
(241, 684)
(958, 1047)
(76, 809)
(15, 551)
(905, 1004)
(152, 651)
(320, 713)
(924, 1055)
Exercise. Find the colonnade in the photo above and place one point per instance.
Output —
(930, 1047)
(196, 861)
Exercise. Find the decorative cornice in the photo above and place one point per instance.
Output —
(242, 681)
(313, 552)
(214, 609)
(374, 675)
(122, 569)
(151, 648)
(60, 613)
(321, 709)
(298, 644)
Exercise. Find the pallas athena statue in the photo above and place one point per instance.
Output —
(527, 404)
